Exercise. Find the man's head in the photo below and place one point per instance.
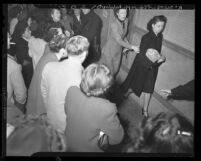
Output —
(85, 11)
(77, 46)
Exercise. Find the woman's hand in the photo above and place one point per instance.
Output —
(161, 59)
(165, 93)
(135, 48)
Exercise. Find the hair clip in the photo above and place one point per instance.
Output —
(179, 132)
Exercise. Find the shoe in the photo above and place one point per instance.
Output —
(145, 113)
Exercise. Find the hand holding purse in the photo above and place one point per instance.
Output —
(152, 55)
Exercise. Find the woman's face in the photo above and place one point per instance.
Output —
(56, 15)
(121, 14)
(158, 27)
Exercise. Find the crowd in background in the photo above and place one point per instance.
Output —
(58, 78)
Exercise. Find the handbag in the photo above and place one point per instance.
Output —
(152, 55)
(103, 141)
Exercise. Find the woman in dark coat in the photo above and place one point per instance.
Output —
(143, 73)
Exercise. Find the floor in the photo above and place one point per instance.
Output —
(130, 116)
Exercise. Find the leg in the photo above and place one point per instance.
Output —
(145, 104)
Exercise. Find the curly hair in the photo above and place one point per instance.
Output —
(34, 129)
(164, 133)
(58, 42)
(96, 80)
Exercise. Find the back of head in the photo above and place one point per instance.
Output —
(96, 80)
(77, 45)
(164, 133)
(40, 30)
(58, 42)
(50, 33)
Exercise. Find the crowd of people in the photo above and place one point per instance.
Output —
(58, 78)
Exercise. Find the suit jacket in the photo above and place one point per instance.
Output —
(111, 51)
(77, 25)
(22, 51)
(57, 77)
(86, 116)
(35, 104)
(91, 29)
(91, 26)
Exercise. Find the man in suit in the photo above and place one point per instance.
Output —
(77, 24)
(91, 29)
(57, 77)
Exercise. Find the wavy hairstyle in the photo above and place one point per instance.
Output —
(164, 133)
(96, 80)
(58, 42)
(76, 45)
(154, 20)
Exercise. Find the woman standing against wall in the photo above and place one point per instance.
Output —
(111, 52)
(143, 73)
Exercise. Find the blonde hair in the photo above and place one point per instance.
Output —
(76, 45)
(96, 80)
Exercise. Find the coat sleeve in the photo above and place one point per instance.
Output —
(112, 127)
(43, 85)
(117, 36)
(18, 85)
(183, 92)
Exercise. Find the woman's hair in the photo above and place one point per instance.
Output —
(58, 42)
(40, 30)
(50, 34)
(154, 20)
(96, 80)
(164, 133)
(76, 45)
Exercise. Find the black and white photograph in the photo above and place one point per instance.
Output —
(101, 79)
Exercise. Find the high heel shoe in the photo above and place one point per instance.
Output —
(145, 113)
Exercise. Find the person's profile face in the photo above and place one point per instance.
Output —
(121, 14)
(85, 11)
(158, 27)
(56, 15)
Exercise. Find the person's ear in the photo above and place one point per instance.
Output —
(152, 26)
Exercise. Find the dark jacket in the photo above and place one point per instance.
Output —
(91, 29)
(85, 119)
(77, 25)
(183, 92)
